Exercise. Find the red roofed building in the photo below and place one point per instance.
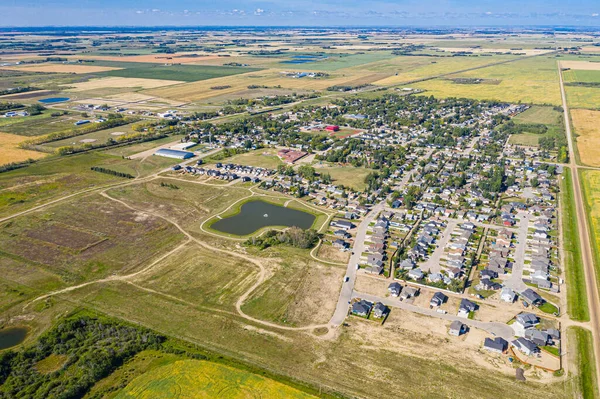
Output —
(332, 128)
(291, 156)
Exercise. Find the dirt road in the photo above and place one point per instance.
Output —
(584, 233)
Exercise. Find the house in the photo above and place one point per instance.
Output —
(532, 297)
(380, 310)
(508, 295)
(362, 308)
(434, 277)
(437, 299)
(408, 292)
(342, 224)
(457, 328)
(523, 322)
(496, 345)
(394, 289)
(341, 245)
(416, 274)
(525, 346)
(540, 338)
(407, 264)
(342, 234)
(487, 284)
(332, 128)
(466, 307)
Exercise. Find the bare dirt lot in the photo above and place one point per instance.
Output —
(581, 65)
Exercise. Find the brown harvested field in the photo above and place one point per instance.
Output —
(60, 68)
(581, 65)
(587, 128)
(120, 83)
(9, 151)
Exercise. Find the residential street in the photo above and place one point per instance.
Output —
(497, 329)
(341, 310)
(515, 281)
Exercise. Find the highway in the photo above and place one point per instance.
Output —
(584, 234)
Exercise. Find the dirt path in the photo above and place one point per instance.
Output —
(584, 233)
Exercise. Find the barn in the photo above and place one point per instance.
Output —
(332, 128)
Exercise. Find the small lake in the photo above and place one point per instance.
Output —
(12, 336)
(255, 215)
(53, 100)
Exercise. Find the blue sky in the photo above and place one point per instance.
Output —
(299, 12)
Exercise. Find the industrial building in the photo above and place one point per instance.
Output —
(165, 152)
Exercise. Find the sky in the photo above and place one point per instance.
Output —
(299, 12)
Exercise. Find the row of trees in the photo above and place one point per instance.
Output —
(111, 172)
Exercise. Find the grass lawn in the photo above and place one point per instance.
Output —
(101, 136)
(348, 176)
(581, 347)
(525, 139)
(262, 158)
(577, 303)
(539, 114)
(201, 379)
(549, 308)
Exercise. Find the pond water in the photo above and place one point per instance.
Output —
(53, 100)
(12, 336)
(255, 215)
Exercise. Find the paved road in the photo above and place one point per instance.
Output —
(433, 263)
(515, 281)
(583, 231)
(341, 310)
(497, 329)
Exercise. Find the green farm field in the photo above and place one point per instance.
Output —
(583, 97)
(199, 379)
(590, 181)
(38, 125)
(581, 76)
(531, 80)
(186, 73)
(581, 344)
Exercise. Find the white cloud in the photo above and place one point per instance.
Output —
(595, 14)
(259, 11)
(139, 12)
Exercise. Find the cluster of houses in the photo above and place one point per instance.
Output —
(364, 308)
(13, 114)
(530, 337)
(539, 248)
(227, 171)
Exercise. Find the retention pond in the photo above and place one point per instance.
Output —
(254, 215)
